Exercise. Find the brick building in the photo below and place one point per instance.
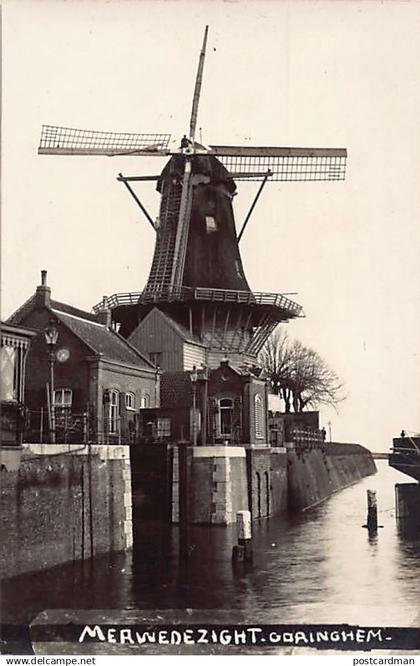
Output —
(100, 380)
(230, 407)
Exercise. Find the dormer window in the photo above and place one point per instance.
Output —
(210, 224)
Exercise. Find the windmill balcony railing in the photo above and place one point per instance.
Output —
(200, 294)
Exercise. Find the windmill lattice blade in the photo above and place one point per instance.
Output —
(68, 141)
(285, 164)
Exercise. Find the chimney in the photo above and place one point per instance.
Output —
(104, 316)
(43, 292)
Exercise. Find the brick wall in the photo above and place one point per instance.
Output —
(124, 380)
(259, 482)
(73, 373)
(253, 388)
(59, 507)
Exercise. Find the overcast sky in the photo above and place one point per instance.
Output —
(319, 74)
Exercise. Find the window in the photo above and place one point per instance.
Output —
(163, 427)
(210, 224)
(63, 398)
(145, 401)
(226, 416)
(114, 411)
(130, 401)
(8, 367)
(156, 358)
(259, 417)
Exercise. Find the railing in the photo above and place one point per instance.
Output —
(200, 294)
(307, 438)
(71, 427)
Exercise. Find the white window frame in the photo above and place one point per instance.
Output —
(66, 398)
(259, 416)
(130, 401)
(211, 224)
(114, 411)
(163, 427)
(8, 369)
(222, 409)
(145, 400)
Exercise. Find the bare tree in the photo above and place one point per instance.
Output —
(299, 374)
(275, 358)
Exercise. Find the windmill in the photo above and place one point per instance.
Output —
(197, 276)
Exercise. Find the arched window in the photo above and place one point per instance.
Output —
(226, 416)
(145, 401)
(114, 411)
(259, 416)
(130, 401)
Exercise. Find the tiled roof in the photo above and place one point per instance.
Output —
(69, 309)
(28, 305)
(18, 315)
(103, 340)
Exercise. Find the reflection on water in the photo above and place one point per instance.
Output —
(320, 566)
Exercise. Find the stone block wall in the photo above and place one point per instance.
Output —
(313, 475)
(60, 506)
(278, 481)
(218, 484)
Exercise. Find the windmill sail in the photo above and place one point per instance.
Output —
(285, 164)
(70, 141)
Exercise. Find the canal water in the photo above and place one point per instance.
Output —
(317, 567)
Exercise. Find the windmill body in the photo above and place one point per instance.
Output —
(210, 297)
(197, 278)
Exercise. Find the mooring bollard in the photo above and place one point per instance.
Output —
(372, 511)
(243, 551)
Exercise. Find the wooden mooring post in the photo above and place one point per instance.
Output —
(372, 511)
(243, 551)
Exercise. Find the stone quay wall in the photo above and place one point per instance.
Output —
(61, 503)
(222, 480)
(315, 474)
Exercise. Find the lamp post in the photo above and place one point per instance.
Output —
(205, 378)
(329, 430)
(51, 337)
(194, 378)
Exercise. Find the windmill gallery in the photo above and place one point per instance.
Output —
(155, 404)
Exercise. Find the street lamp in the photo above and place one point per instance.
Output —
(329, 429)
(194, 378)
(51, 337)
